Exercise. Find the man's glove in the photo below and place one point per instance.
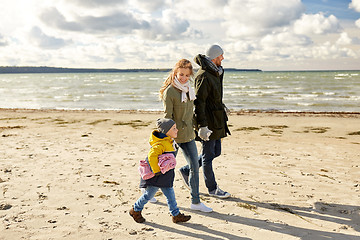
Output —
(204, 133)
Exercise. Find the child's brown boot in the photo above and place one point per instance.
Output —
(136, 215)
(181, 218)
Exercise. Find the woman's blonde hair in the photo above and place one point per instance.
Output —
(183, 63)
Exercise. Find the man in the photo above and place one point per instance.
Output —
(210, 115)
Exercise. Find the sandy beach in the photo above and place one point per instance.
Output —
(73, 175)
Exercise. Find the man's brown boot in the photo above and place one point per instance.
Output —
(181, 218)
(136, 216)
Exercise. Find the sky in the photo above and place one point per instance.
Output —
(271, 35)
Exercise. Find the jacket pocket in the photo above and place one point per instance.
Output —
(218, 118)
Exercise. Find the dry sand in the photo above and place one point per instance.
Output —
(73, 175)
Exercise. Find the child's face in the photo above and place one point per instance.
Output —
(183, 75)
(172, 132)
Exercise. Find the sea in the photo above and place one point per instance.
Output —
(283, 91)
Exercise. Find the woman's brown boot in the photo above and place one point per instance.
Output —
(136, 216)
(181, 218)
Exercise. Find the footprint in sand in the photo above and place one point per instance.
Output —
(5, 206)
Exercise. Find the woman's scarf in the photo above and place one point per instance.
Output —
(184, 88)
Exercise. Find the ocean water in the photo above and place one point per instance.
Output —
(323, 91)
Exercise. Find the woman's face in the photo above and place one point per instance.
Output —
(183, 75)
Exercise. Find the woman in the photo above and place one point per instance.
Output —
(178, 98)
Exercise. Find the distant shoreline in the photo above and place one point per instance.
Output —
(233, 112)
(11, 70)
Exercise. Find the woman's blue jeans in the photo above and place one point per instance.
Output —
(210, 150)
(192, 169)
(150, 193)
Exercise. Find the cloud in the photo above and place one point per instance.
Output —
(150, 6)
(169, 27)
(164, 28)
(53, 18)
(119, 22)
(268, 34)
(344, 39)
(205, 10)
(3, 41)
(284, 39)
(44, 41)
(244, 18)
(331, 51)
(316, 24)
(355, 4)
(273, 47)
(357, 23)
(98, 3)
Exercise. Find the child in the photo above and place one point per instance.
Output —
(161, 141)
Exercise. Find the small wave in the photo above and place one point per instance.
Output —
(291, 98)
(354, 98)
(64, 78)
(305, 104)
(323, 93)
(57, 88)
(273, 86)
(90, 95)
(237, 77)
(308, 95)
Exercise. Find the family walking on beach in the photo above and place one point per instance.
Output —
(176, 130)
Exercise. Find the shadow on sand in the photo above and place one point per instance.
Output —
(341, 214)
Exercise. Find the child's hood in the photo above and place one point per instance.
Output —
(157, 136)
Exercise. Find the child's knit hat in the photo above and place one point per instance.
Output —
(164, 124)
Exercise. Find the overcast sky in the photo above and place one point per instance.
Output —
(264, 34)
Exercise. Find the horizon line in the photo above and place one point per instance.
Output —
(8, 69)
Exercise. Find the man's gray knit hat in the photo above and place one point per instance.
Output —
(164, 124)
(214, 51)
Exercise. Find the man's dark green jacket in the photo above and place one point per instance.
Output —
(209, 108)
